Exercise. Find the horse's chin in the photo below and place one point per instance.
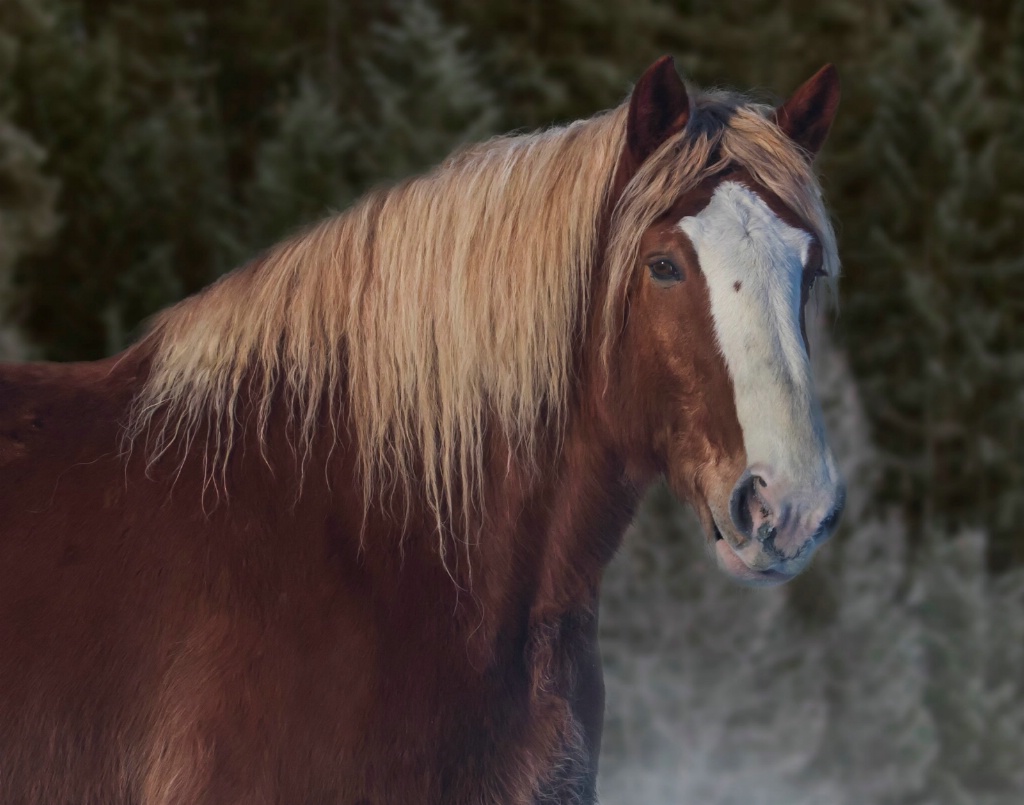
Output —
(733, 566)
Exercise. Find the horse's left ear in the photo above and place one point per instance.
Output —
(807, 116)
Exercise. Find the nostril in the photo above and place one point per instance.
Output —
(757, 504)
(745, 502)
(752, 513)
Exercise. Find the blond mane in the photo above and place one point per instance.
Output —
(444, 305)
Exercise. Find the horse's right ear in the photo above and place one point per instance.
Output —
(658, 108)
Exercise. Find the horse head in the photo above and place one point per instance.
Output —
(710, 363)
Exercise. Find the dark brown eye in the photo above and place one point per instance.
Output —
(664, 271)
(812, 274)
(814, 267)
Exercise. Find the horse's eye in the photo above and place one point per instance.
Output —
(812, 275)
(664, 271)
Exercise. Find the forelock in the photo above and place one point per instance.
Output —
(725, 129)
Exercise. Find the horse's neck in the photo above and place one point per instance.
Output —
(588, 507)
(546, 534)
(552, 528)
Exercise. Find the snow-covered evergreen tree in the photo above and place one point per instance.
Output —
(118, 105)
(27, 220)
(413, 98)
(28, 197)
(302, 170)
(1003, 441)
(563, 59)
(928, 277)
(425, 93)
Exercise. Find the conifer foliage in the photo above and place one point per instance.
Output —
(181, 148)
(934, 277)
(27, 194)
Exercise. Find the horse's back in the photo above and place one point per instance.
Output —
(65, 678)
(59, 446)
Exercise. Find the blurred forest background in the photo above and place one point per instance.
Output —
(146, 147)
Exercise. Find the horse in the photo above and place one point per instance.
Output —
(333, 529)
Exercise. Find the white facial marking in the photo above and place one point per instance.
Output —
(738, 239)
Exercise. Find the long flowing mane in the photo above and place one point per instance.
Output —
(445, 305)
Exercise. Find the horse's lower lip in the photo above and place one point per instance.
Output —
(730, 562)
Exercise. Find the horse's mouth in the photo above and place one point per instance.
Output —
(732, 564)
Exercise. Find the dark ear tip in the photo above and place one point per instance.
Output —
(663, 67)
(829, 75)
(827, 79)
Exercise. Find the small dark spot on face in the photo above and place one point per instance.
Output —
(737, 285)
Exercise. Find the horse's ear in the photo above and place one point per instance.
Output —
(658, 108)
(807, 116)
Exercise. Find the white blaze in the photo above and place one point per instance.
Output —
(753, 263)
